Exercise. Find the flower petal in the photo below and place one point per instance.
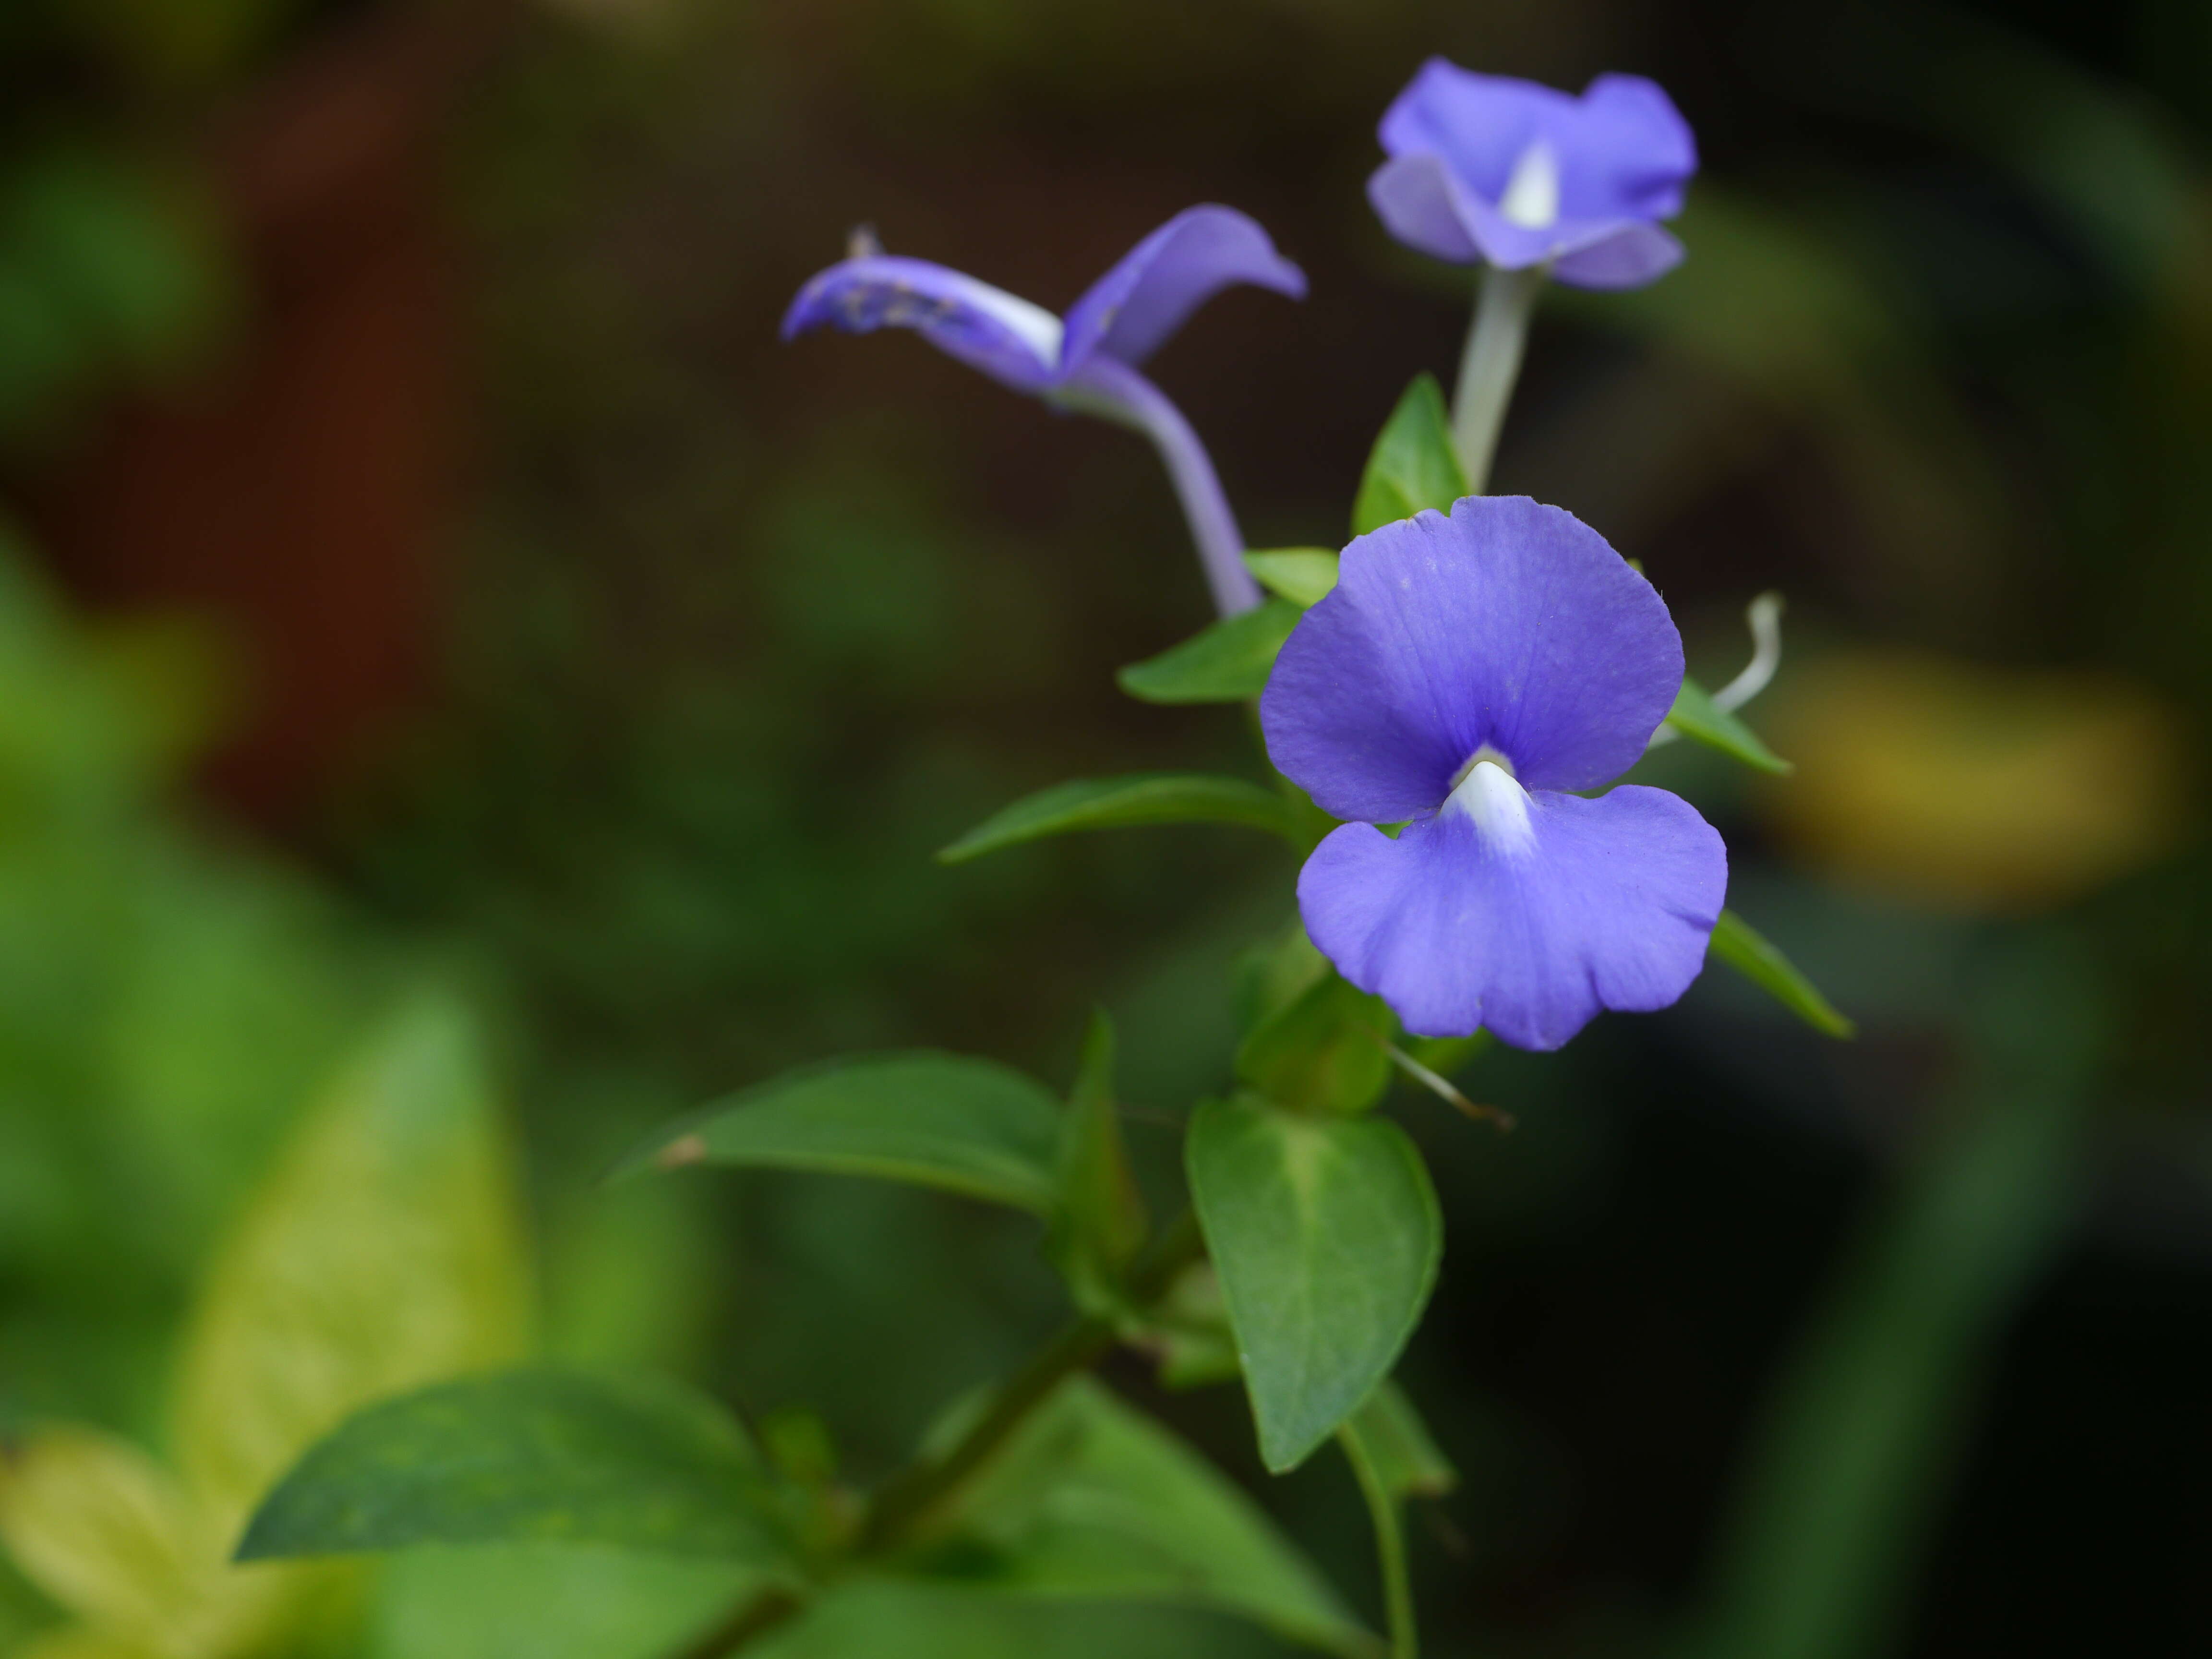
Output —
(1636, 152)
(1480, 125)
(1424, 204)
(985, 327)
(1509, 624)
(1621, 152)
(1630, 256)
(1129, 312)
(1587, 904)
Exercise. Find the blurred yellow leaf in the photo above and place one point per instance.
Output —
(103, 1530)
(385, 1250)
(1977, 789)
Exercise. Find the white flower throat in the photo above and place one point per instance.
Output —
(1486, 791)
(1532, 193)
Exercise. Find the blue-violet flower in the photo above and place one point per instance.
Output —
(1485, 168)
(1088, 360)
(1463, 676)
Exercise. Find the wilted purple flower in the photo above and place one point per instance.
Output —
(1485, 168)
(1465, 674)
(1088, 360)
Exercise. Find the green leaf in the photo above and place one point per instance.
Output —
(1325, 1051)
(1101, 1223)
(1413, 464)
(969, 1126)
(1326, 1234)
(1272, 974)
(1144, 798)
(530, 1456)
(1396, 1444)
(1738, 945)
(1226, 662)
(1092, 1499)
(1696, 716)
(1302, 575)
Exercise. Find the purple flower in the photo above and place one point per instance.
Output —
(1088, 360)
(1467, 673)
(1486, 168)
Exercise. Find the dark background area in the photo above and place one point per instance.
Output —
(540, 612)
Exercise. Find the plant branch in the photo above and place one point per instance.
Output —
(754, 1617)
(908, 1498)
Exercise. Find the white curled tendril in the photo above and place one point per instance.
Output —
(1764, 616)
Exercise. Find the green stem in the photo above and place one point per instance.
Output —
(756, 1616)
(908, 1498)
(1490, 365)
(1389, 1548)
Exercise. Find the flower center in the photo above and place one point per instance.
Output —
(1532, 193)
(1499, 806)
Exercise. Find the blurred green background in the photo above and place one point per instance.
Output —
(441, 626)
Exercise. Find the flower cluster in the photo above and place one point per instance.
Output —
(1470, 674)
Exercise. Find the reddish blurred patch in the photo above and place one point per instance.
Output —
(300, 493)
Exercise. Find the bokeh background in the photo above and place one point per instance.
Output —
(426, 577)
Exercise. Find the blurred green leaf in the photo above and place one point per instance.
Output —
(1696, 716)
(1100, 1224)
(1326, 1051)
(1145, 798)
(1412, 464)
(385, 1249)
(1270, 976)
(1302, 575)
(1397, 1448)
(530, 1456)
(1326, 1234)
(548, 1601)
(1227, 662)
(1845, 1480)
(940, 1619)
(1737, 943)
(1093, 1499)
(969, 1126)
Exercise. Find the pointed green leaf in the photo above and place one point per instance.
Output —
(1326, 1234)
(1145, 797)
(1302, 575)
(1397, 1448)
(1101, 1224)
(528, 1457)
(968, 1125)
(1092, 1499)
(1737, 943)
(1413, 464)
(1227, 662)
(1327, 1051)
(1695, 714)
